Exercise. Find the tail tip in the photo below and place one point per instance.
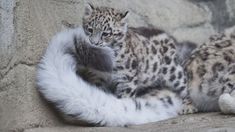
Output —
(227, 103)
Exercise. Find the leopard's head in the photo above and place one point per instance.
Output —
(104, 25)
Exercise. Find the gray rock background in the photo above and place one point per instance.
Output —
(26, 27)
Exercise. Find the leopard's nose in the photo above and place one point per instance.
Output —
(95, 43)
(94, 40)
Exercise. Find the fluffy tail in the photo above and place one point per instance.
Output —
(227, 103)
(79, 100)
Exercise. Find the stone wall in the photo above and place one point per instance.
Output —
(26, 27)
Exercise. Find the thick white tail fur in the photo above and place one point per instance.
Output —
(227, 103)
(58, 82)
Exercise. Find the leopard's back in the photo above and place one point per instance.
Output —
(148, 56)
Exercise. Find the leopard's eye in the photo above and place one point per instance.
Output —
(105, 34)
(90, 30)
(118, 34)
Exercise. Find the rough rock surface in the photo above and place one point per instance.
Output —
(26, 27)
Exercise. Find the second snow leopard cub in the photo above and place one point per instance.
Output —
(142, 56)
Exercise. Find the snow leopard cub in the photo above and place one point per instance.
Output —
(143, 57)
(211, 73)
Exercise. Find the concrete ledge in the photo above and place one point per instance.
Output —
(210, 122)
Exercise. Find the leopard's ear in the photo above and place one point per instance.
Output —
(124, 15)
(88, 9)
